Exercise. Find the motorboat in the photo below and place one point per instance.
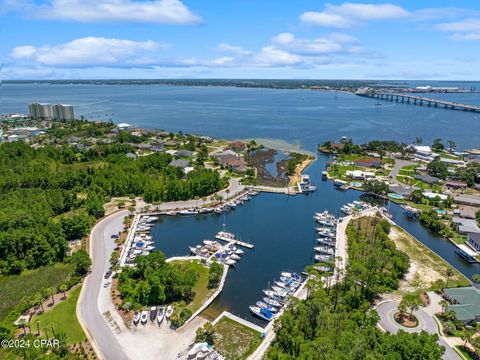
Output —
(272, 302)
(230, 261)
(324, 250)
(280, 296)
(210, 242)
(270, 308)
(280, 284)
(160, 314)
(261, 313)
(323, 268)
(235, 257)
(136, 317)
(188, 212)
(329, 223)
(322, 258)
(169, 312)
(144, 317)
(197, 348)
(153, 313)
(239, 251)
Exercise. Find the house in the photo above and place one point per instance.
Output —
(360, 175)
(131, 155)
(181, 163)
(157, 148)
(464, 302)
(368, 162)
(455, 184)
(423, 153)
(429, 179)
(226, 153)
(233, 163)
(124, 126)
(337, 146)
(237, 145)
(466, 226)
(470, 200)
(433, 196)
(170, 143)
(473, 239)
(184, 153)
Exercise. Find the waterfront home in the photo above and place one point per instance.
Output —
(423, 153)
(233, 163)
(464, 302)
(226, 153)
(473, 239)
(433, 196)
(237, 145)
(359, 175)
(124, 126)
(369, 162)
(466, 226)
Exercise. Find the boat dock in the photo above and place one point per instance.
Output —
(235, 241)
(419, 100)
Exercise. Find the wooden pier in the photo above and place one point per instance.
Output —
(419, 100)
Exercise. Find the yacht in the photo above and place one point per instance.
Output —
(153, 313)
(272, 302)
(188, 212)
(144, 317)
(305, 184)
(322, 258)
(324, 250)
(261, 313)
(270, 308)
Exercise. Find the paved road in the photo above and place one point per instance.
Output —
(426, 322)
(101, 247)
(398, 165)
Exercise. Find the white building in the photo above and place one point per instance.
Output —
(61, 112)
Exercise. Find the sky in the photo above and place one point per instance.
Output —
(276, 39)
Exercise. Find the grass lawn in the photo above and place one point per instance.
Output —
(464, 352)
(201, 290)
(14, 287)
(64, 319)
(235, 341)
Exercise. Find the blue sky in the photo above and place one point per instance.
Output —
(64, 39)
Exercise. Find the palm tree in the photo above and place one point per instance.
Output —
(23, 323)
(38, 301)
(51, 291)
(63, 288)
(449, 274)
(444, 304)
(402, 307)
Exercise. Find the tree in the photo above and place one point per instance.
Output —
(51, 292)
(476, 278)
(206, 334)
(214, 274)
(63, 288)
(81, 261)
(38, 301)
(449, 273)
(376, 187)
(444, 304)
(451, 145)
(416, 196)
(437, 168)
(437, 145)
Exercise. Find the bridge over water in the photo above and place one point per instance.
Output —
(419, 100)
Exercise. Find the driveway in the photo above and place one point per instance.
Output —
(399, 163)
(101, 247)
(426, 322)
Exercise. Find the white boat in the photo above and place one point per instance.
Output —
(272, 302)
(280, 284)
(198, 347)
(322, 258)
(286, 274)
(235, 257)
(188, 212)
(229, 261)
(239, 251)
(280, 296)
(169, 312)
(136, 317)
(324, 250)
(144, 317)
(270, 308)
(225, 235)
(160, 314)
(153, 313)
(261, 313)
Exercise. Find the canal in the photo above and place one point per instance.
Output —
(282, 229)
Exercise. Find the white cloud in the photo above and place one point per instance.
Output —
(269, 56)
(89, 51)
(466, 37)
(155, 11)
(238, 50)
(349, 14)
(467, 25)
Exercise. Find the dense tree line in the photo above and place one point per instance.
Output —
(54, 193)
(153, 281)
(380, 147)
(337, 322)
